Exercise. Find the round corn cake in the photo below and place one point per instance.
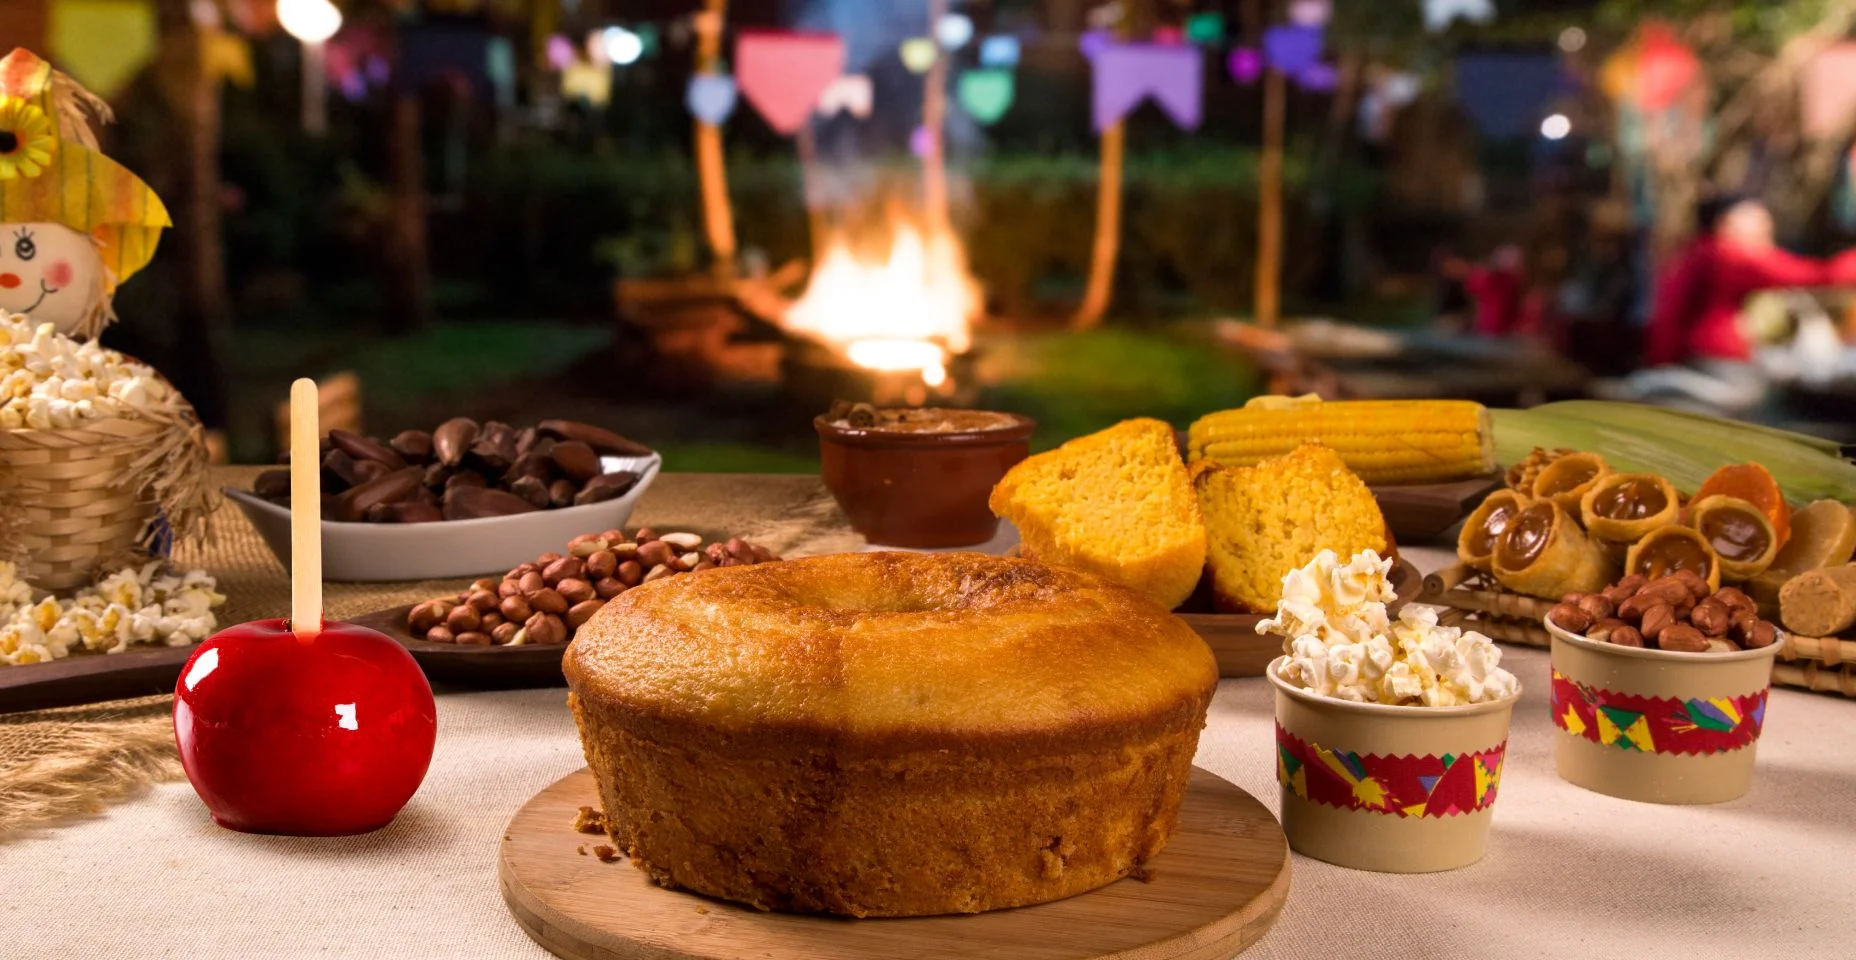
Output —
(889, 734)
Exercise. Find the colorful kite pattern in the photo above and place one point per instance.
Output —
(1657, 724)
(1403, 786)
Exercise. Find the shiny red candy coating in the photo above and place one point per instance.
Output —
(319, 738)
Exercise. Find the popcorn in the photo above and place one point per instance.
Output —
(49, 381)
(135, 605)
(1340, 642)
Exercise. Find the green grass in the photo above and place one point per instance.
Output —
(1078, 383)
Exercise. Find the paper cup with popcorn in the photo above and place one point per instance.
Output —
(1657, 726)
(1390, 735)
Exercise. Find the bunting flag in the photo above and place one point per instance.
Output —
(783, 74)
(1092, 42)
(918, 54)
(1245, 65)
(1504, 93)
(985, 94)
(1440, 14)
(1626, 721)
(1412, 786)
(850, 94)
(1127, 73)
(1292, 49)
(1827, 92)
(439, 50)
(103, 44)
(1311, 13)
(999, 51)
(1666, 68)
(1318, 77)
(711, 97)
(1205, 29)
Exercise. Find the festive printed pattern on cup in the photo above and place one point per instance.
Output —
(1402, 786)
(1702, 725)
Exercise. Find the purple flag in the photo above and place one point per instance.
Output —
(1126, 74)
(1318, 77)
(1292, 49)
(1245, 64)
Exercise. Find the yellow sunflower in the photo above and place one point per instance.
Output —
(25, 139)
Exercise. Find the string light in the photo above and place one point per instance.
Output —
(310, 21)
(1556, 127)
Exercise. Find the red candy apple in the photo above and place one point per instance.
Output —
(323, 737)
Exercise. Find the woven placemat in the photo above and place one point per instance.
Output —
(56, 763)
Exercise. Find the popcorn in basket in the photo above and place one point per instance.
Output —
(94, 446)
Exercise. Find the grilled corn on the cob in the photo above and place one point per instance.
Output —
(1384, 441)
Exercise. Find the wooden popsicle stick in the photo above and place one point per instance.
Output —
(305, 512)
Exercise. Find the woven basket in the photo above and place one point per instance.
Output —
(72, 499)
(1476, 603)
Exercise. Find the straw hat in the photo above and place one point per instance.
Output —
(51, 172)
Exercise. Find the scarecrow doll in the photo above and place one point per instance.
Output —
(73, 223)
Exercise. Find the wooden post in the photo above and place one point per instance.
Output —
(192, 189)
(1108, 232)
(1269, 202)
(718, 216)
(806, 145)
(408, 278)
(934, 117)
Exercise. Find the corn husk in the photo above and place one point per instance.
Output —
(1684, 447)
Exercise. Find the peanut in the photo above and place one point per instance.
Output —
(1627, 636)
(1658, 618)
(1568, 617)
(545, 629)
(1712, 618)
(441, 634)
(1597, 607)
(631, 573)
(601, 565)
(566, 568)
(608, 588)
(574, 590)
(582, 612)
(473, 638)
(655, 554)
(516, 608)
(464, 619)
(547, 600)
(1683, 639)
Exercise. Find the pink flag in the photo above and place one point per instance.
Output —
(1828, 89)
(782, 74)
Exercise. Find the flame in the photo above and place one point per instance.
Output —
(909, 312)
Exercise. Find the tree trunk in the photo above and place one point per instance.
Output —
(1269, 202)
(1108, 233)
(718, 217)
(191, 97)
(1136, 19)
(409, 301)
(934, 118)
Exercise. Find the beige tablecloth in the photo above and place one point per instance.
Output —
(1570, 874)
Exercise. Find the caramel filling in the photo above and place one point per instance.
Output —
(1482, 542)
(1735, 534)
(1564, 476)
(1667, 554)
(1526, 537)
(1632, 499)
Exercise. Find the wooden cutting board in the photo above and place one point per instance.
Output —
(1215, 889)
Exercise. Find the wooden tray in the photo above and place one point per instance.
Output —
(91, 678)
(492, 668)
(1417, 512)
(1214, 890)
(1241, 651)
(1474, 603)
(1422, 511)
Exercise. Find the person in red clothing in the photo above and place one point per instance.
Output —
(1504, 306)
(1699, 296)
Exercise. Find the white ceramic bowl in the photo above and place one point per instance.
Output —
(452, 548)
